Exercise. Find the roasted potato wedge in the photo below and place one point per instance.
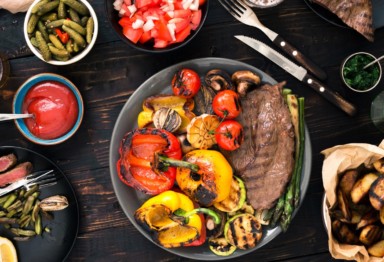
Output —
(361, 187)
(368, 218)
(370, 234)
(343, 233)
(377, 249)
(379, 165)
(382, 215)
(376, 193)
(347, 180)
(343, 205)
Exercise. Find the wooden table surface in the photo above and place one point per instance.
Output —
(112, 71)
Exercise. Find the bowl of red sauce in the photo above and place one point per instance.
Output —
(56, 105)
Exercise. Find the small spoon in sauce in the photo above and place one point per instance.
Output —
(5, 117)
(373, 62)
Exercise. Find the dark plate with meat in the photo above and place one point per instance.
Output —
(55, 245)
(130, 199)
(377, 8)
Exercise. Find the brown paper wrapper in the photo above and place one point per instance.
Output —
(337, 160)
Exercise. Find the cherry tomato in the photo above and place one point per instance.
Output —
(229, 135)
(226, 104)
(186, 83)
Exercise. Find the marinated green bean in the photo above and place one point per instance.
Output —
(90, 28)
(74, 15)
(56, 23)
(75, 26)
(43, 30)
(56, 42)
(47, 7)
(43, 47)
(75, 36)
(11, 198)
(61, 11)
(37, 6)
(49, 17)
(58, 52)
(32, 22)
(84, 21)
(77, 6)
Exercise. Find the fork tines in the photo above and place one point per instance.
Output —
(234, 7)
(43, 179)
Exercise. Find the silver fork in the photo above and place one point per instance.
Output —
(41, 178)
(243, 13)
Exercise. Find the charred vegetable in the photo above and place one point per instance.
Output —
(236, 197)
(376, 193)
(172, 219)
(361, 187)
(201, 131)
(211, 182)
(181, 105)
(203, 100)
(243, 231)
(221, 247)
(167, 118)
(138, 151)
(218, 80)
(245, 79)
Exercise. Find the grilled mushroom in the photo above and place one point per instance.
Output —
(218, 80)
(167, 118)
(244, 79)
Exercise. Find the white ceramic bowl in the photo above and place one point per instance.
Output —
(75, 57)
(19, 100)
(375, 65)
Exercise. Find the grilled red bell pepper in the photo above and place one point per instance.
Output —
(138, 151)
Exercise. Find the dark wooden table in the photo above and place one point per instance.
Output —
(112, 72)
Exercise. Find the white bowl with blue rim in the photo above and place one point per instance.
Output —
(18, 104)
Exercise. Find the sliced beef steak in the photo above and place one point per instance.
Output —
(265, 160)
(355, 13)
(7, 161)
(18, 172)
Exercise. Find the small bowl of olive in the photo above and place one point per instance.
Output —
(355, 77)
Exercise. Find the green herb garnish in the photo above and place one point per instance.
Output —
(357, 77)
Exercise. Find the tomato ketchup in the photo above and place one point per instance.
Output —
(54, 107)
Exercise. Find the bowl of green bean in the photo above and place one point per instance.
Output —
(60, 32)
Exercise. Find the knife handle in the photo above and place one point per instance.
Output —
(331, 96)
(300, 58)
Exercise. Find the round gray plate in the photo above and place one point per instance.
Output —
(130, 199)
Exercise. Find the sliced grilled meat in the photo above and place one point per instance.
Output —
(7, 161)
(265, 160)
(18, 172)
(355, 13)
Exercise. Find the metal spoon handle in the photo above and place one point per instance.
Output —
(5, 117)
(374, 61)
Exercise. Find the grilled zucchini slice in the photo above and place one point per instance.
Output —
(243, 231)
(221, 247)
(236, 198)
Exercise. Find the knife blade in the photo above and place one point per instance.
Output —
(300, 73)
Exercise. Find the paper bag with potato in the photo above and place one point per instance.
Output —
(353, 179)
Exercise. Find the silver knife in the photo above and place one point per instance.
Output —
(300, 73)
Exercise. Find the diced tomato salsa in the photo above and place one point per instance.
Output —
(165, 22)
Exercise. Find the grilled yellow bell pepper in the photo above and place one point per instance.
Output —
(172, 219)
(181, 105)
(210, 182)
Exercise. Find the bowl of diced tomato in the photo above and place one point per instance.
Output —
(157, 25)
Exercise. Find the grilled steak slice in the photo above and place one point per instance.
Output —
(18, 172)
(7, 161)
(355, 13)
(265, 159)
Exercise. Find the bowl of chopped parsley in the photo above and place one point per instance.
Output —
(356, 77)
